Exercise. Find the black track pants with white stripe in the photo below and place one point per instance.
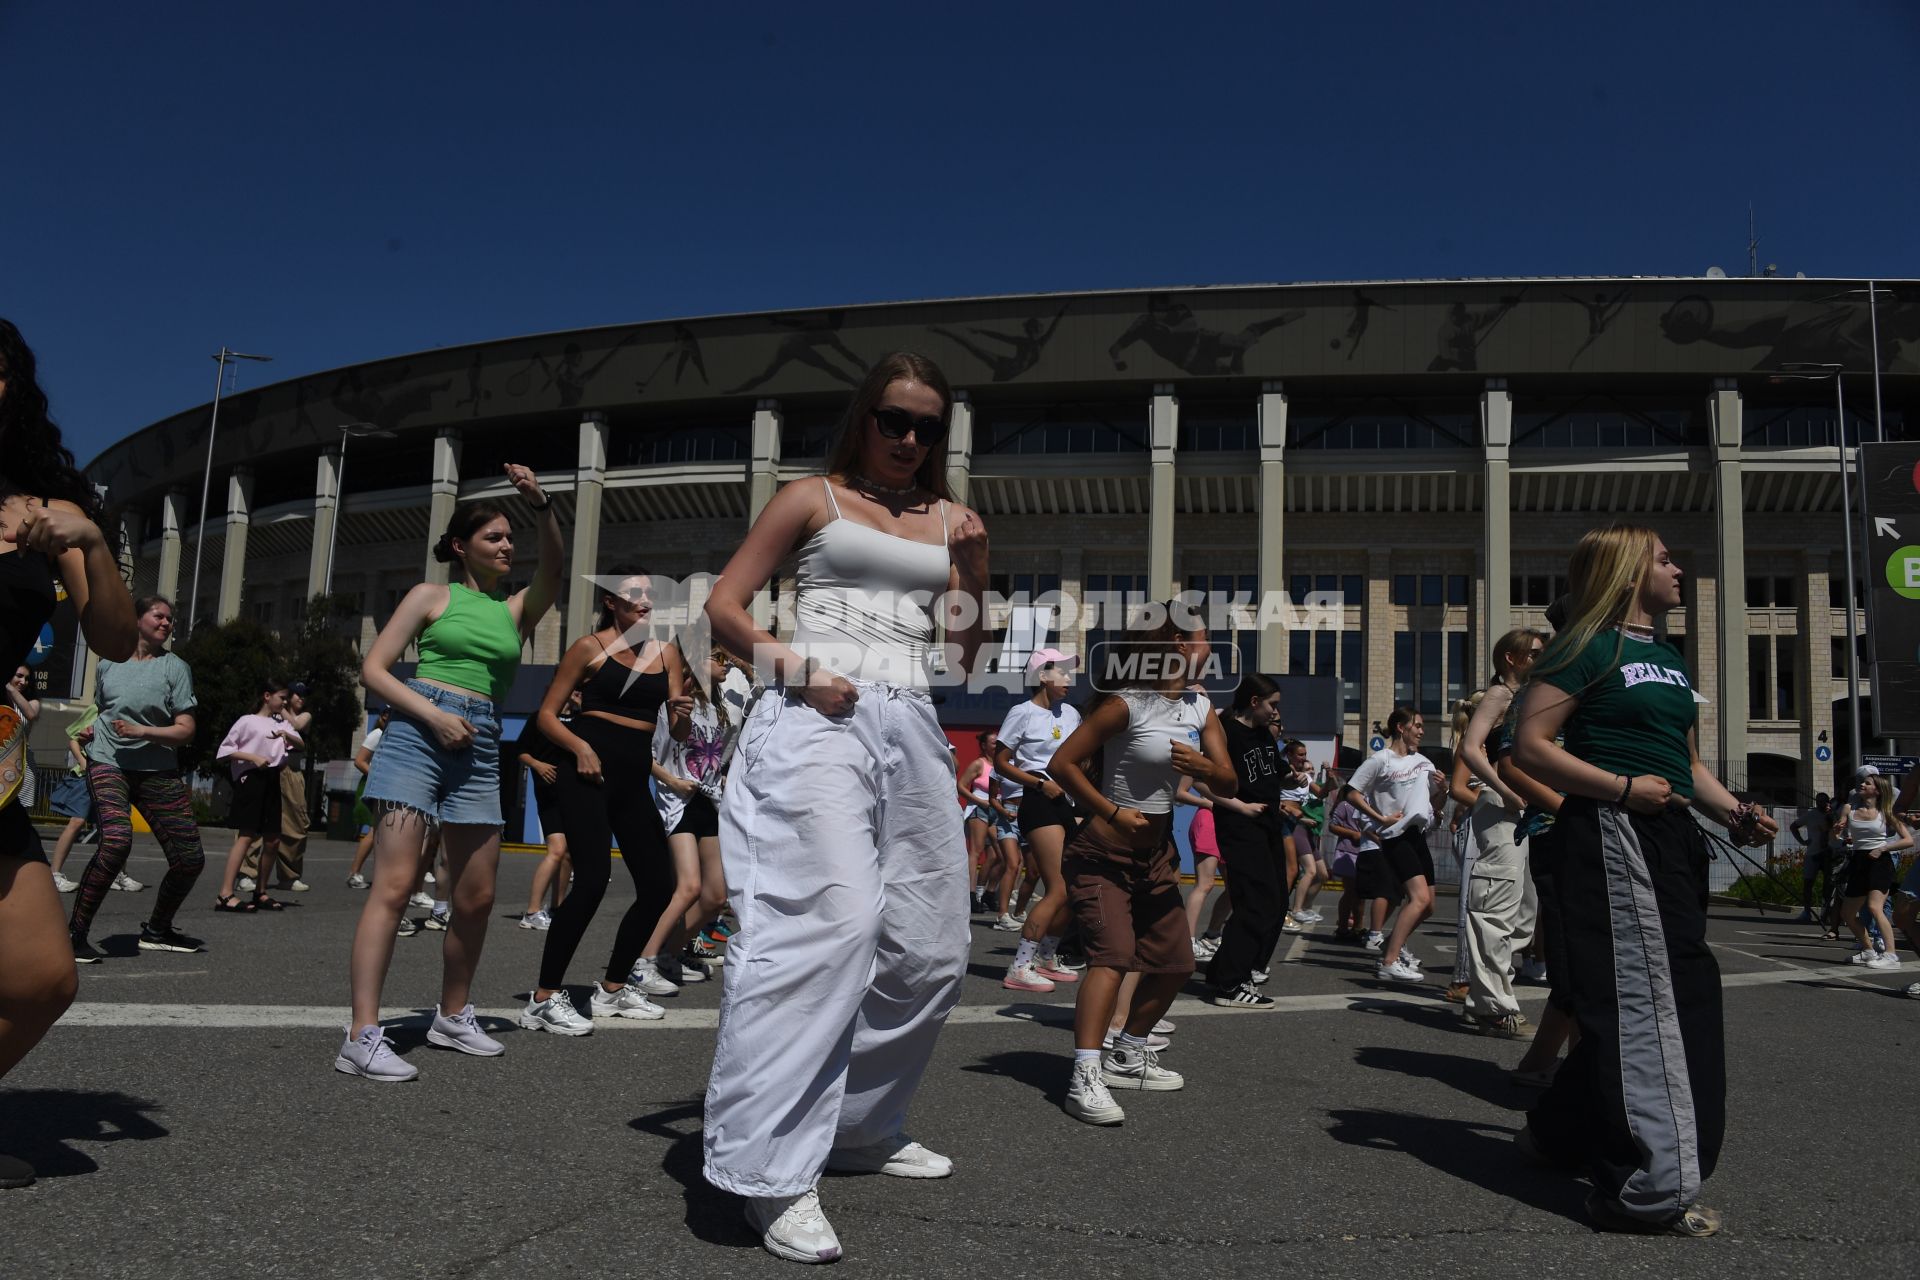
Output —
(1640, 1104)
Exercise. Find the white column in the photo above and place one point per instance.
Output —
(1273, 511)
(444, 495)
(589, 488)
(167, 582)
(1164, 437)
(1496, 433)
(1730, 547)
(326, 513)
(131, 526)
(233, 557)
(763, 481)
(960, 447)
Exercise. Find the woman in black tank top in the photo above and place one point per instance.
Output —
(47, 528)
(624, 677)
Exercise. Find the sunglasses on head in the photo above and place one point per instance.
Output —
(895, 423)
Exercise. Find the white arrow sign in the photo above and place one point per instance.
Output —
(1884, 527)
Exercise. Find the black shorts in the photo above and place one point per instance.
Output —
(547, 805)
(1374, 878)
(256, 803)
(1037, 811)
(1407, 857)
(699, 819)
(18, 838)
(1869, 875)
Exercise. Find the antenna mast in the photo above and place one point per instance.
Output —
(1753, 245)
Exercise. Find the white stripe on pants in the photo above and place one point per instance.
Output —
(846, 865)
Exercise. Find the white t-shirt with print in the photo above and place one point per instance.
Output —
(1397, 784)
(1033, 733)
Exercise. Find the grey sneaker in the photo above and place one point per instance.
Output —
(462, 1031)
(536, 920)
(370, 1056)
(794, 1227)
(556, 1014)
(1088, 1098)
(356, 881)
(406, 928)
(127, 884)
(628, 1002)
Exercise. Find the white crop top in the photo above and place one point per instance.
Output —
(1867, 834)
(864, 599)
(1139, 771)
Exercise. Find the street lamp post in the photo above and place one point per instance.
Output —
(348, 431)
(206, 475)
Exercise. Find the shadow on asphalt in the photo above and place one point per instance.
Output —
(1463, 1149)
(41, 1122)
(1473, 1076)
(713, 1215)
(1040, 1071)
(1438, 1016)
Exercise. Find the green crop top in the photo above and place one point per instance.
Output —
(473, 645)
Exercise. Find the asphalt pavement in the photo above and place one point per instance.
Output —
(187, 1121)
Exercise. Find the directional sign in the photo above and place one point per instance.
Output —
(1890, 474)
(1823, 753)
(1893, 766)
(1377, 742)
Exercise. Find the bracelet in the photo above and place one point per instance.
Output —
(1626, 789)
(542, 506)
(1116, 811)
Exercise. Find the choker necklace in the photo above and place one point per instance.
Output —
(1632, 632)
(865, 483)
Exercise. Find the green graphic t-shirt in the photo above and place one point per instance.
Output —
(1636, 708)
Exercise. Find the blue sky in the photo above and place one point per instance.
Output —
(334, 183)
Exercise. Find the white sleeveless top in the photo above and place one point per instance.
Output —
(1868, 833)
(864, 599)
(1139, 761)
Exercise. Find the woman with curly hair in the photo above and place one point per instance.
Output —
(49, 528)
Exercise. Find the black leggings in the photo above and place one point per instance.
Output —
(621, 806)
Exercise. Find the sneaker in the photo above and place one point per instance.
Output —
(1006, 924)
(63, 884)
(648, 978)
(1154, 1042)
(1407, 956)
(437, 921)
(1261, 977)
(628, 1002)
(1504, 1027)
(1398, 971)
(357, 881)
(422, 899)
(1126, 1068)
(1374, 941)
(1025, 978)
(1290, 925)
(1088, 1098)
(1456, 993)
(556, 1014)
(692, 969)
(1244, 996)
(1695, 1220)
(407, 928)
(1053, 971)
(1914, 991)
(1532, 970)
(725, 927)
(462, 1031)
(1020, 917)
(370, 1056)
(127, 884)
(897, 1157)
(294, 886)
(245, 884)
(1863, 957)
(1885, 960)
(1309, 916)
(703, 947)
(167, 939)
(1163, 1028)
(1072, 961)
(85, 952)
(794, 1227)
(428, 879)
(536, 920)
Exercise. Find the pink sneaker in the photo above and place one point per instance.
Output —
(1053, 971)
(1025, 978)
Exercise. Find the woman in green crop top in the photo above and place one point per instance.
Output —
(439, 763)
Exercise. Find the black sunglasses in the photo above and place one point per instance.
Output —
(895, 423)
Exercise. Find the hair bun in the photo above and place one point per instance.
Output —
(443, 549)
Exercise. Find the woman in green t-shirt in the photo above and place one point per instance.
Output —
(1640, 1105)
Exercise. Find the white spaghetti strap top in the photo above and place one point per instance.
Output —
(865, 599)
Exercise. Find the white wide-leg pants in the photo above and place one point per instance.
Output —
(1498, 904)
(846, 865)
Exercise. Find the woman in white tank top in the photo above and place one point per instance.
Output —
(838, 831)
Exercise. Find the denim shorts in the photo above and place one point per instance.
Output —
(411, 770)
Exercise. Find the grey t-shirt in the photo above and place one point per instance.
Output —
(151, 693)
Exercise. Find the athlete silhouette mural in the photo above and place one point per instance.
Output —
(1601, 312)
(1363, 308)
(1814, 331)
(684, 351)
(814, 336)
(1026, 346)
(1171, 331)
(1464, 330)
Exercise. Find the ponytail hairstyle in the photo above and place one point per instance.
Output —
(625, 569)
(271, 685)
(468, 519)
(1399, 718)
(1519, 640)
(1463, 713)
(1253, 688)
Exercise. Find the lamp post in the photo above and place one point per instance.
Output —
(348, 431)
(206, 476)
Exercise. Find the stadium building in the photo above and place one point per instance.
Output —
(1431, 449)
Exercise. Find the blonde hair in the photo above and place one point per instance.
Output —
(1604, 575)
(1463, 712)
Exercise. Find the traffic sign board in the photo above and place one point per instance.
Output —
(1893, 766)
(1890, 475)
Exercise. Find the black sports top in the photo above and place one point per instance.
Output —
(620, 690)
(26, 602)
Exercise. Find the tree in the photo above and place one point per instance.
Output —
(230, 660)
(326, 656)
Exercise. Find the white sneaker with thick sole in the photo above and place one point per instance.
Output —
(462, 1031)
(1128, 1068)
(1375, 942)
(1398, 971)
(647, 976)
(370, 1056)
(628, 1002)
(1023, 977)
(555, 1014)
(421, 899)
(1885, 960)
(1863, 957)
(794, 1227)
(1261, 977)
(357, 881)
(1088, 1098)
(63, 884)
(536, 920)
(1163, 1028)
(1006, 924)
(898, 1157)
(1406, 954)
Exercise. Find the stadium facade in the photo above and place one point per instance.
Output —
(1432, 449)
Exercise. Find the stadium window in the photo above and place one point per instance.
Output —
(1786, 688)
(1786, 592)
(1431, 675)
(1517, 590)
(1299, 649)
(1430, 589)
(1457, 665)
(1601, 421)
(1354, 588)
(1757, 678)
(1227, 426)
(1116, 427)
(1323, 653)
(1298, 585)
(1352, 669)
(1402, 668)
(1109, 599)
(1326, 582)
(1382, 422)
(1458, 592)
(1403, 588)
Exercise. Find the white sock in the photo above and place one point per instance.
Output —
(440, 906)
(1085, 1055)
(1023, 954)
(1125, 1041)
(1049, 948)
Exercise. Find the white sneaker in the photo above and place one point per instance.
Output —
(1163, 1028)
(421, 899)
(1261, 977)
(628, 1002)
(246, 884)
(462, 1031)
(63, 884)
(1006, 924)
(1154, 1042)
(1374, 942)
(127, 884)
(536, 920)
(1407, 957)
(1532, 970)
(898, 1157)
(692, 971)
(1885, 960)
(1863, 957)
(646, 976)
(1088, 1098)
(1125, 1068)
(1290, 925)
(1021, 918)
(436, 920)
(1398, 971)
(428, 878)
(1913, 991)
(794, 1227)
(357, 881)
(370, 1056)
(1309, 916)
(556, 1014)
(1023, 977)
